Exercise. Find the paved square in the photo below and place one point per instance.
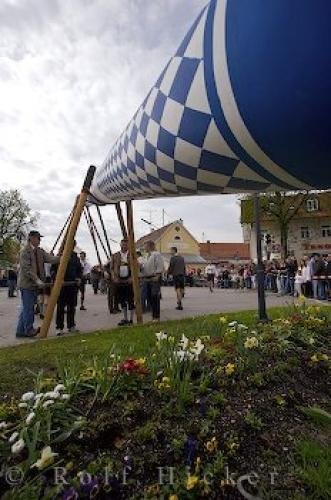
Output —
(197, 302)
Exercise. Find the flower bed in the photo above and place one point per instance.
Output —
(194, 418)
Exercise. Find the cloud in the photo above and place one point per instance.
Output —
(72, 75)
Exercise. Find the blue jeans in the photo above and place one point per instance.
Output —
(26, 317)
(319, 289)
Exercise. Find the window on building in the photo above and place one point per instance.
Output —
(312, 205)
(305, 232)
(177, 238)
(326, 231)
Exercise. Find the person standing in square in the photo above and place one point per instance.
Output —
(31, 277)
(177, 271)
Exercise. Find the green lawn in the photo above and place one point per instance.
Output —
(18, 364)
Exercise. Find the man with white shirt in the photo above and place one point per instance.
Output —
(153, 270)
(210, 273)
(121, 277)
(86, 269)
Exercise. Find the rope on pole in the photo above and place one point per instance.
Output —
(96, 231)
(104, 230)
(121, 220)
(89, 225)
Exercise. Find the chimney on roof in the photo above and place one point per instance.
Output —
(208, 247)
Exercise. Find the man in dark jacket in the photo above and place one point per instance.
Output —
(177, 271)
(12, 282)
(68, 295)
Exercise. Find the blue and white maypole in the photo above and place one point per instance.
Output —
(243, 106)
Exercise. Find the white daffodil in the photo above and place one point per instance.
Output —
(46, 459)
(28, 396)
(197, 349)
(48, 403)
(161, 336)
(242, 327)
(184, 342)
(59, 387)
(233, 323)
(37, 401)
(65, 396)
(18, 446)
(30, 417)
(22, 405)
(13, 437)
(3, 425)
(180, 354)
(52, 395)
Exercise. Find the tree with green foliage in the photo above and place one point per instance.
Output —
(16, 218)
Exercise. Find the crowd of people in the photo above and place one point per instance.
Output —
(310, 277)
(37, 272)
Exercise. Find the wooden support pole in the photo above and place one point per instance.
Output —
(134, 262)
(96, 232)
(62, 231)
(67, 251)
(121, 220)
(104, 230)
(67, 230)
(89, 225)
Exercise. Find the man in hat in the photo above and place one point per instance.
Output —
(31, 277)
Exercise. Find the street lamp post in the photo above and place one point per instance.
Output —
(259, 268)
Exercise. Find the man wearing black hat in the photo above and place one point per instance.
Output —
(31, 277)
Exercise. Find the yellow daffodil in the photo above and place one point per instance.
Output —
(191, 482)
(324, 357)
(223, 320)
(173, 497)
(46, 459)
(230, 368)
(314, 358)
(171, 340)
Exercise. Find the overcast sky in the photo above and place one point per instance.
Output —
(72, 74)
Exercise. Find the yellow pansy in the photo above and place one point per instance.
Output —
(211, 445)
(191, 482)
(230, 368)
(251, 342)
